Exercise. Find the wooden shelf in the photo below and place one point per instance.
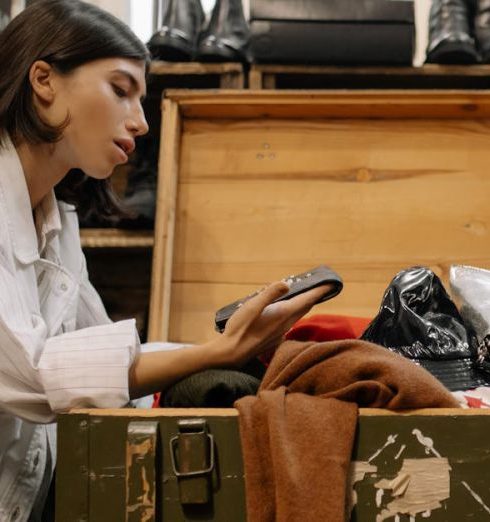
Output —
(227, 75)
(115, 238)
(161, 67)
(430, 76)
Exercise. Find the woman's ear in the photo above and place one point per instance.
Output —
(41, 76)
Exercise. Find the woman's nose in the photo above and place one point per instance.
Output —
(137, 124)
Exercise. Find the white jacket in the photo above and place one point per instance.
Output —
(58, 348)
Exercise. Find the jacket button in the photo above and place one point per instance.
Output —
(64, 287)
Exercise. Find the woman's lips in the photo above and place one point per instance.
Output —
(121, 152)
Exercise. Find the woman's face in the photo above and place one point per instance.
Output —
(103, 100)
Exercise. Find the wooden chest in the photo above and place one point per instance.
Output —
(254, 186)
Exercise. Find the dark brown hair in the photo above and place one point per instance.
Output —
(65, 34)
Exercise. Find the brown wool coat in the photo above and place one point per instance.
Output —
(297, 433)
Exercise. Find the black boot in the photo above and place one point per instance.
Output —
(451, 32)
(482, 29)
(226, 38)
(176, 40)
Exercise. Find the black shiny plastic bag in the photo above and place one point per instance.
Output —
(418, 320)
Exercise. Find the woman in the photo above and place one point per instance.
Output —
(71, 86)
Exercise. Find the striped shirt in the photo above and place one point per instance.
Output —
(58, 348)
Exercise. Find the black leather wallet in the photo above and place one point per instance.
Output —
(321, 275)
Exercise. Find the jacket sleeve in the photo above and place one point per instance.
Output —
(41, 375)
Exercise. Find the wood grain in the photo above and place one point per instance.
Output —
(164, 223)
(259, 199)
(293, 104)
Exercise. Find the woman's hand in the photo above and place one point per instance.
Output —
(257, 326)
(260, 324)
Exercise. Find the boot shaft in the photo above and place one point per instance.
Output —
(176, 39)
(227, 17)
(448, 16)
(186, 16)
(451, 32)
(227, 36)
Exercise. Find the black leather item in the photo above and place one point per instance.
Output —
(298, 284)
(418, 320)
(451, 39)
(482, 29)
(341, 32)
(177, 37)
(361, 11)
(339, 43)
(227, 36)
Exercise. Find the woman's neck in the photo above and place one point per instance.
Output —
(43, 169)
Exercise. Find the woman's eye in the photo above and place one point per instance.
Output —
(121, 93)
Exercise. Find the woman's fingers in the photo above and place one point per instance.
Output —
(262, 322)
(268, 295)
(254, 307)
(307, 299)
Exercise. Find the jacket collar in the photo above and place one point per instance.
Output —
(24, 237)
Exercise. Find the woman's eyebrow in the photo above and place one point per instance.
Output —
(132, 79)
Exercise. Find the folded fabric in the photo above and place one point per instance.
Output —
(327, 327)
(297, 434)
(214, 388)
(323, 327)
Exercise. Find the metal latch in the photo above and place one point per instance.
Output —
(192, 455)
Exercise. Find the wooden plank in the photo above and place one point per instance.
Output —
(353, 151)
(158, 412)
(450, 412)
(269, 81)
(425, 70)
(165, 223)
(431, 76)
(115, 238)
(158, 67)
(258, 202)
(255, 78)
(332, 104)
(232, 81)
(231, 412)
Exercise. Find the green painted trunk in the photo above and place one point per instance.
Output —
(186, 465)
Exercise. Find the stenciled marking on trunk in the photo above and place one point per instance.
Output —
(402, 449)
(476, 497)
(390, 440)
(419, 487)
(427, 442)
